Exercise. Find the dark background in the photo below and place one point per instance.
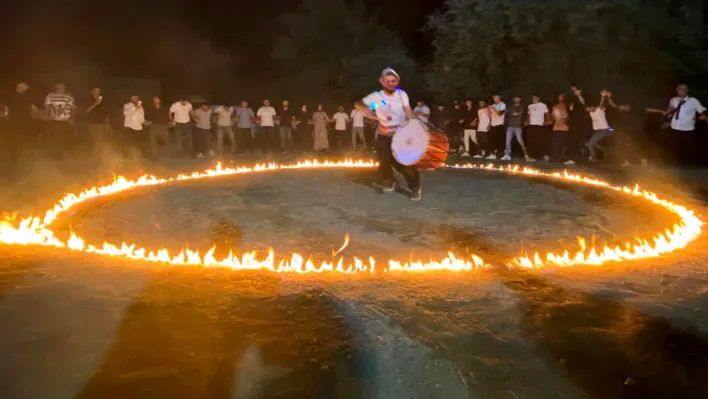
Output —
(215, 46)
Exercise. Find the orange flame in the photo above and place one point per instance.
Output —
(679, 236)
(35, 230)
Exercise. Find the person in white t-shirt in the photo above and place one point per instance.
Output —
(266, 136)
(181, 116)
(133, 120)
(684, 110)
(600, 127)
(224, 125)
(483, 121)
(340, 119)
(497, 133)
(422, 111)
(357, 127)
(391, 108)
(538, 134)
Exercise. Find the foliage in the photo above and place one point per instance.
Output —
(333, 51)
(543, 46)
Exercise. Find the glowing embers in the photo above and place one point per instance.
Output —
(36, 231)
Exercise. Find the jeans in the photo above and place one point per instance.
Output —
(220, 133)
(358, 131)
(387, 163)
(200, 140)
(159, 133)
(286, 138)
(594, 143)
(265, 137)
(183, 138)
(510, 133)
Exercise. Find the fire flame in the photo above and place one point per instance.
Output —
(36, 231)
(679, 236)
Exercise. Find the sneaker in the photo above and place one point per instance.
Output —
(388, 188)
(506, 158)
(492, 157)
(546, 158)
(529, 159)
(211, 153)
(200, 155)
(478, 156)
(625, 164)
(569, 162)
(416, 194)
(466, 154)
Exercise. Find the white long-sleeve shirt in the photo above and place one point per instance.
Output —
(134, 116)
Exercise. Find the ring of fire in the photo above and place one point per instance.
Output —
(36, 230)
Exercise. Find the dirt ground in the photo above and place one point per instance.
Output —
(83, 326)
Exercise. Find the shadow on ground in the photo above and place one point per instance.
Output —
(183, 338)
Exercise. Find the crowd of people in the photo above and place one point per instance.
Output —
(569, 131)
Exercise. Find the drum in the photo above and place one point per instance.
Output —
(421, 145)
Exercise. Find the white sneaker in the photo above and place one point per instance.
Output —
(416, 194)
(200, 155)
(569, 162)
(477, 156)
(506, 158)
(466, 154)
(546, 158)
(625, 164)
(492, 157)
(529, 159)
(211, 153)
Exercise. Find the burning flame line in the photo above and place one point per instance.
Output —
(679, 236)
(35, 230)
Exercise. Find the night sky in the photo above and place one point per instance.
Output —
(170, 40)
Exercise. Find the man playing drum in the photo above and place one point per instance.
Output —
(391, 108)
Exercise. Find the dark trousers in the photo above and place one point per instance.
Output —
(244, 139)
(266, 138)
(183, 138)
(539, 141)
(59, 138)
(135, 140)
(387, 163)
(497, 136)
(562, 146)
(484, 146)
(684, 147)
(200, 140)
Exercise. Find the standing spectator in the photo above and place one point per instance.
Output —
(561, 130)
(286, 118)
(538, 140)
(457, 127)
(202, 130)
(22, 131)
(224, 125)
(496, 139)
(357, 127)
(158, 118)
(441, 119)
(61, 113)
(265, 137)
(600, 127)
(134, 139)
(303, 122)
(484, 119)
(320, 120)
(97, 121)
(683, 111)
(340, 127)
(245, 118)
(181, 115)
(422, 111)
(515, 129)
(468, 131)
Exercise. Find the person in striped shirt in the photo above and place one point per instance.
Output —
(60, 112)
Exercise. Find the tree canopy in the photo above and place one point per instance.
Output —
(543, 46)
(332, 51)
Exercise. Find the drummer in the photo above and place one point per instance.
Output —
(391, 108)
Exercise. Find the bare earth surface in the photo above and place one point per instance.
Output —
(84, 326)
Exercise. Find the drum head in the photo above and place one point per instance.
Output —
(410, 143)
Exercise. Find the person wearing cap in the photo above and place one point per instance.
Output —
(391, 108)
